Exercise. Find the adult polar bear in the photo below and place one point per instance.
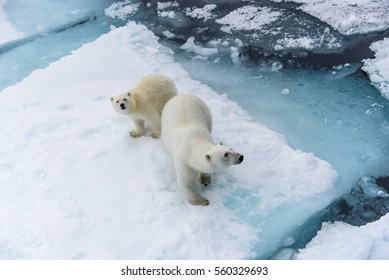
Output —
(186, 134)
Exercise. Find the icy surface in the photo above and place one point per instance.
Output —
(339, 240)
(8, 32)
(378, 68)
(349, 16)
(371, 189)
(190, 46)
(258, 23)
(248, 18)
(37, 17)
(48, 30)
(77, 186)
(365, 204)
(204, 13)
(122, 10)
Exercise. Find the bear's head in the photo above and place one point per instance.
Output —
(221, 156)
(122, 103)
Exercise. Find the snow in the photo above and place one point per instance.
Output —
(122, 9)
(291, 43)
(76, 186)
(337, 241)
(307, 42)
(166, 5)
(285, 91)
(204, 13)
(163, 6)
(168, 14)
(349, 16)
(248, 18)
(378, 68)
(8, 32)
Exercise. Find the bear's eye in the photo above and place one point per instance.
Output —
(226, 155)
(117, 101)
(125, 99)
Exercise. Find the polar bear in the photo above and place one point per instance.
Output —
(144, 103)
(186, 134)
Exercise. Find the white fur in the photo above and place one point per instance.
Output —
(186, 134)
(145, 102)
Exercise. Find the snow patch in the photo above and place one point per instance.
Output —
(204, 13)
(298, 43)
(122, 10)
(166, 5)
(378, 68)
(248, 18)
(349, 16)
(168, 14)
(337, 241)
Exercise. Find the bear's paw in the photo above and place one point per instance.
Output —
(200, 202)
(155, 135)
(135, 134)
(205, 180)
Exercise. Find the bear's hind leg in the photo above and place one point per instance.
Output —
(154, 120)
(139, 128)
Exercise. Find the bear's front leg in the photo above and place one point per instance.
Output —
(139, 128)
(186, 178)
(205, 179)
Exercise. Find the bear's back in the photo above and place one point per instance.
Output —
(154, 90)
(186, 110)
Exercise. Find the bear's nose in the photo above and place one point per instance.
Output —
(122, 105)
(241, 158)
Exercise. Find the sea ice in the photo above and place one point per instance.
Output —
(339, 240)
(190, 46)
(74, 184)
(248, 18)
(66, 25)
(349, 16)
(370, 188)
(8, 32)
(204, 13)
(122, 10)
(378, 68)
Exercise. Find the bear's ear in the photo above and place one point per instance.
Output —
(129, 94)
(208, 157)
(221, 143)
(111, 98)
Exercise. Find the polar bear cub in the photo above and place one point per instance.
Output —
(144, 103)
(186, 134)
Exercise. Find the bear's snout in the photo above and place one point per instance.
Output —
(239, 159)
(122, 106)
